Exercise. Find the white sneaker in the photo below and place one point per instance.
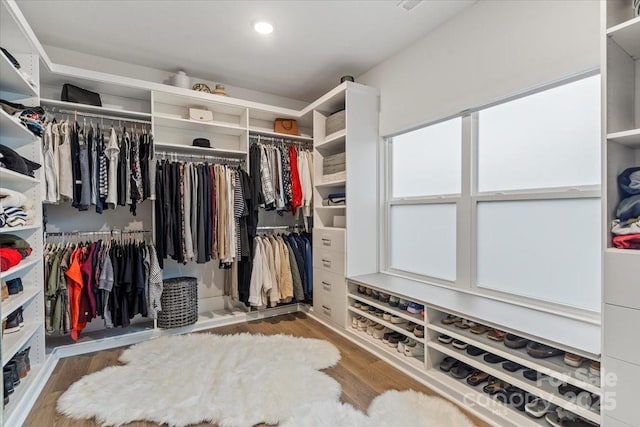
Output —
(379, 332)
(414, 351)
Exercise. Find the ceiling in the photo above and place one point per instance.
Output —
(313, 44)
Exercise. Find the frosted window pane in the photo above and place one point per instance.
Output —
(423, 239)
(543, 249)
(549, 139)
(427, 161)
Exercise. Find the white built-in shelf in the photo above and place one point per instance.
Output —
(208, 127)
(25, 264)
(552, 366)
(630, 138)
(15, 301)
(333, 144)
(11, 230)
(635, 252)
(13, 342)
(222, 152)
(267, 132)
(416, 318)
(331, 228)
(9, 176)
(474, 395)
(395, 327)
(332, 184)
(13, 84)
(22, 390)
(627, 36)
(332, 207)
(125, 114)
(415, 362)
(13, 129)
(542, 388)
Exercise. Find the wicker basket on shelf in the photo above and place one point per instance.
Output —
(179, 302)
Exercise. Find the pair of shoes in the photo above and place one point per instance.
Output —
(5, 290)
(461, 370)
(514, 341)
(479, 329)
(14, 322)
(414, 308)
(542, 351)
(417, 330)
(515, 397)
(450, 319)
(20, 359)
(384, 297)
(464, 324)
(379, 331)
(394, 301)
(396, 320)
(573, 360)
(475, 351)
(493, 358)
(362, 289)
(445, 339)
(393, 338)
(413, 349)
(461, 345)
(533, 375)
(496, 335)
(495, 386)
(477, 378)
(15, 286)
(403, 304)
(538, 408)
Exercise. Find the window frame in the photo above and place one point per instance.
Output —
(467, 205)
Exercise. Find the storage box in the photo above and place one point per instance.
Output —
(340, 221)
(334, 164)
(200, 115)
(335, 122)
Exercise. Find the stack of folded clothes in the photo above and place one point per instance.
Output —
(11, 160)
(16, 209)
(30, 117)
(626, 227)
(13, 250)
(335, 199)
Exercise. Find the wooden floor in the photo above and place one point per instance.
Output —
(362, 375)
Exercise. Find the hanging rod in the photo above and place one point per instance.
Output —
(54, 110)
(279, 227)
(260, 138)
(94, 233)
(169, 156)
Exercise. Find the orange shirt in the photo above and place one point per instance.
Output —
(74, 285)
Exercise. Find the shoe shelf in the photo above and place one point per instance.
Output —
(25, 264)
(474, 396)
(11, 230)
(552, 366)
(16, 301)
(332, 184)
(21, 390)
(394, 327)
(542, 388)
(167, 120)
(13, 129)
(9, 176)
(415, 318)
(415, 362)
(14, 85)
(13, 342)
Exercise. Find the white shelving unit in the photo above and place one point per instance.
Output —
(621, 149)
(359, 142)
(15, 88)
(125, 114)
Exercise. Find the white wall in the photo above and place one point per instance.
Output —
(105, 65)
(494, 49)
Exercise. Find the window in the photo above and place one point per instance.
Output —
(526, 221)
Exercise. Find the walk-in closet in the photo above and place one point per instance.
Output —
(372, 213)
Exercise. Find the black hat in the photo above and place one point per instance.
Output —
(201, 142)
(16, 162)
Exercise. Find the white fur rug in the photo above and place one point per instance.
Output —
(402, 408)
(240, 380)
(234, 380)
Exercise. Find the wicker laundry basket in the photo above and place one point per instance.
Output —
(179, 302)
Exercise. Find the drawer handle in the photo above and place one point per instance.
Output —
(326, 242)
(326, 285)
(326, 263)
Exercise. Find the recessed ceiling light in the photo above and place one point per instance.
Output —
(263, 27)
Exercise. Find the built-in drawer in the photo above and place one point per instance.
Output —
(332, 285)
(328, 239)
(328, 309)
(622, 278)
(620, 333)
(329, 260)
(620, 399)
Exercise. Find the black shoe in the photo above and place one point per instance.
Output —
(13, 323)
(15, 286)
(533, 375)
(13, 369)
(7, 382)
(512, 366)
(475, 351)
(514, 341)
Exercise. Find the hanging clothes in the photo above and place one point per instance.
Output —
(280, 270)
(109, 279)
(84, 166)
